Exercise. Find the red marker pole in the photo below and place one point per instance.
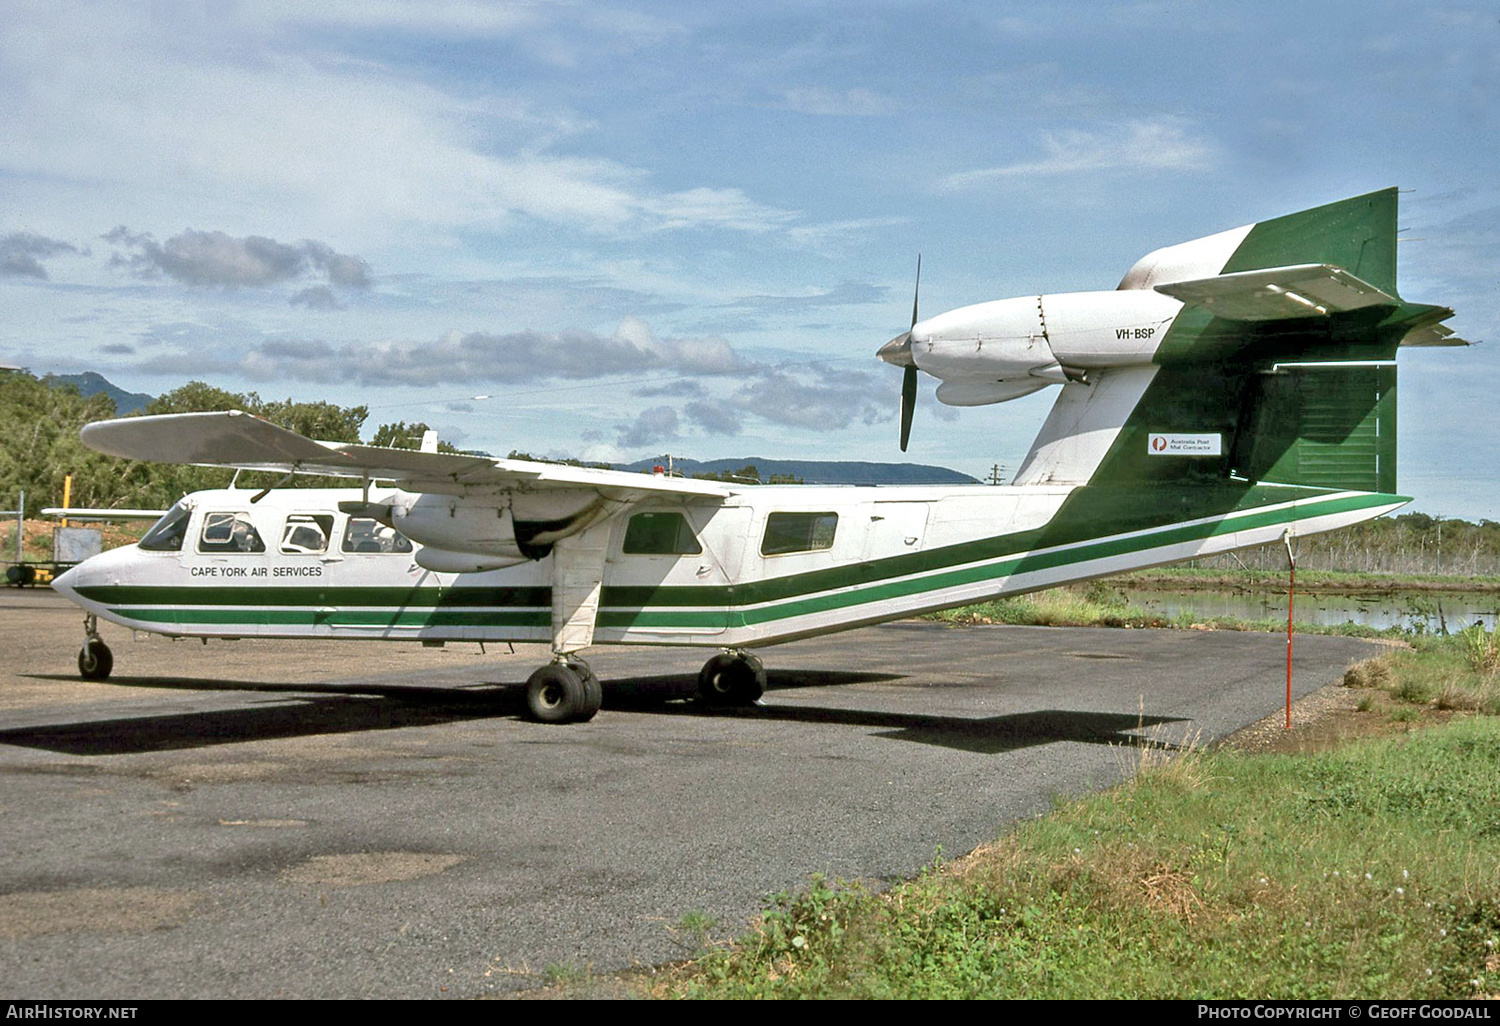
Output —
(1291, 590)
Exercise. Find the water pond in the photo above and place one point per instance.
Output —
(1413, 610)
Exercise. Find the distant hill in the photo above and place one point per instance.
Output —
(90, 383)
(821, 471)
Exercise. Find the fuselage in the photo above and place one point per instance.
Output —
(767, 564)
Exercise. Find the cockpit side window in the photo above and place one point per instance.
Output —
(306, 533)
(229, 532)
(166, 534)
(365, 535)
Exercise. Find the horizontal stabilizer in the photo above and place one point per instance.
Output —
(237, 439)
(1279, 293)
(1433, 335)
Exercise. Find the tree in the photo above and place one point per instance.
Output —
(748, 474)
(321, 420)
(40, 425)
(566, 461)
(402, 435)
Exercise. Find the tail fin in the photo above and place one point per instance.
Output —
(1356, 234)
(1255, 381)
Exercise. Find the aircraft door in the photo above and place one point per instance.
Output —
(662, 561)
(724, 535)
(896, 529)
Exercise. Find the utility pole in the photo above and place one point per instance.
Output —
(995, 474)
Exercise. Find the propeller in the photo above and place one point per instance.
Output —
(897, 352)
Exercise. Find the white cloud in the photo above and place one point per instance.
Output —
(713, 208)
(455, 359)
(22, 253)
(658, 424)
(215, 258)
(839, 102)
(1157, 144)
(351, 149)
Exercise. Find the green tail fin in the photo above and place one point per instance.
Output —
(1356, 234)
(1307, 401)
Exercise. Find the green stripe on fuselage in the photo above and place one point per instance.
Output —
(1089, 526)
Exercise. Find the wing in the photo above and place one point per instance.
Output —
(91, 514)
(237, 439)
(1277, 293)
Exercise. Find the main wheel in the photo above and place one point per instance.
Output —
(557, 693)
(731, 680)
(95, 660)
(592, 688)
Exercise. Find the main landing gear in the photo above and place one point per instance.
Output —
(731, 678)
(95, 660)
(566, 691)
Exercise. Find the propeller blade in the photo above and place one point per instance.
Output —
(915, 292)
(908, 401)
(898, 353)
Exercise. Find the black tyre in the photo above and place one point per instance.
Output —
(731, 680)
(95, 660)
(557, 693)
(593, 689)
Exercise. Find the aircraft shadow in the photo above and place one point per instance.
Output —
(346, 711)
(298, 710)
(315, 709)
(992, 735)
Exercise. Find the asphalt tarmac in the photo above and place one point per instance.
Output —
(349, 819)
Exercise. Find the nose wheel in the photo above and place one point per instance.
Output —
(95, 660)
(731, 678)
(564, 692)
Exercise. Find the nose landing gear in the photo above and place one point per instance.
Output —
(95, 660)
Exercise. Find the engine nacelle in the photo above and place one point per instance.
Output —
(489, 532)
(996, 340)
(444, 561)
(983, 393)
(1094, 330)
(992, 352)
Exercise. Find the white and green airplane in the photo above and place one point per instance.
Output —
(1232, 389)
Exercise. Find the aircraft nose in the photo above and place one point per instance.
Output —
(92, 571)
(66, 582)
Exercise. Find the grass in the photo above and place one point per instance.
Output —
(1368, 870)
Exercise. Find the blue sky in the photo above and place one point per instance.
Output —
(646, 228)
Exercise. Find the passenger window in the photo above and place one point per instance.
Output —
(660, 534)
(365, 535)
(798, 532)
(306, 533)
(229, 532)
(166, 534)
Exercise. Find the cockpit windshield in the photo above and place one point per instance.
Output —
(167, 533)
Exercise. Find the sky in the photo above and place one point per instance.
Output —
(620, 230)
